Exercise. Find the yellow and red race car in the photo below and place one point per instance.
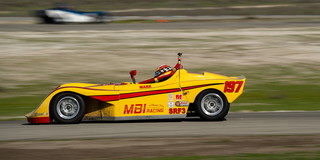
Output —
(173, 93)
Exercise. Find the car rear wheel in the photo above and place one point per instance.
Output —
(68, 108)
(212, 106)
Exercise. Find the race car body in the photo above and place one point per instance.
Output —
(67, 15)
(208, 95)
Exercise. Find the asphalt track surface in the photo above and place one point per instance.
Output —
(236, 124)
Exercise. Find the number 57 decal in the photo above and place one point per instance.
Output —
(232, 86)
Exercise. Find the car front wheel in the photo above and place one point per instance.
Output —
(68, 108)
(212, 106)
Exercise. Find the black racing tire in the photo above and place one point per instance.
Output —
(67, 108)
(101, 19)
(48, 20)
(211, 105)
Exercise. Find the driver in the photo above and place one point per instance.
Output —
(162, 73)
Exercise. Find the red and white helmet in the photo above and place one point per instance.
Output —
(162, 70)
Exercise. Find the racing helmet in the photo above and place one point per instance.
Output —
(162, 70)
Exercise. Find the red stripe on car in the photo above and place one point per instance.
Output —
(132, 95)
(147, 93)
(106, 98)
(39, 119)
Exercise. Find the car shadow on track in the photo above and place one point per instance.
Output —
(190, 119)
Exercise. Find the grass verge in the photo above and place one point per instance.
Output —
(262, 97)
(19, 106)
(273, 97)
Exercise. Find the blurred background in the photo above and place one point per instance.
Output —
(150, 7)
(275, 44)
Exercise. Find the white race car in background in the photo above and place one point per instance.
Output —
(68, 15)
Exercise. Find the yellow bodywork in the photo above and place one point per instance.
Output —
(126, 101)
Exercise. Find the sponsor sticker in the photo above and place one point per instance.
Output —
(145, 86)
(182, 103)
(179, 97)
(170, 97)
(177, 111)
(143, 108)
(40, 114)
(170, 104)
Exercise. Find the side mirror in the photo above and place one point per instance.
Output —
(132, 74)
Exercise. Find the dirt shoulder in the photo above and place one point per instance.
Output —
(157, 147)
(279, 9)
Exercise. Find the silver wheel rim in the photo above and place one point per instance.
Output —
(68, 107)
(212, 104)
